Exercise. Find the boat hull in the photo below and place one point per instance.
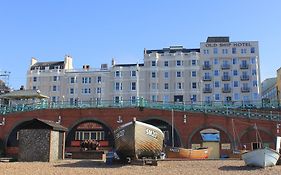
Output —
(187, 153)
(261, 157)
(137, 139)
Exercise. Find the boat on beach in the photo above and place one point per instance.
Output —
(263, 157)
(136, 140)
(183, 153)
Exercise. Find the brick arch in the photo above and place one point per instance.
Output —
(166, 121)
(86, 119)
(15, 125)
(251, 128)
(214, 126)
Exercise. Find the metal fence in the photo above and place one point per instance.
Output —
(253, 111)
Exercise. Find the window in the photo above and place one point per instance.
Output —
(206, 51)
(86, 80)
(133, 86)
(178, 63)
(117, 99)
(153, 98)
(178, 74)
(117, 73)
(86, 91)
(165, 98)
(34, 79)
(206, 63)
(234, 50)
(235, 84)
(133, 73)
(234, 61)
(252, 50)
(243, 51)
(166, 86)
(224, 51)
(55, 78)
(193, 73)
(216, 61)
(216, 72)
(217, 97)
(215, 50)
(193, 62)
(98, 90)
(166, 63)
(71, 90)
(54, 99)
(179, 85)
(34, 88)
(153, 63)
(254, 72)
(54, 88)
(166, 74)
(236, 97)
(153, 74)
(194, 98)
(153, 86)
(253, 60)
(133, 99)
(72, 79)
(99, 79)
(235, 73)
(194, 85)
(255, 83)
(118, 86)
(217, 84)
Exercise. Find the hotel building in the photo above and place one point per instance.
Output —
(220, 71)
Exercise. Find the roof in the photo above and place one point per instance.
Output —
(173, 49)
(127, 65)
(47, 64)
(37, 123)
(218, 39)
(23, 94)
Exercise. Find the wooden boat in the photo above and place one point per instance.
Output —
(201, 153)
(263, 157)
(176, 152)
(137, 140)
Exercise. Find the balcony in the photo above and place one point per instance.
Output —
(225, 66)
(207, 90)
(225, 78)
(244, 66)
(207, 67)
(245, 89)
(226, 90)
(207, 78)
(245, 77)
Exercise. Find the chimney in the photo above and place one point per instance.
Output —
(113, 62)
(68, 62)
(86, 67)
(33, 61)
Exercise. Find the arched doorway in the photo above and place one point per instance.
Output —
(166, 128)
(89, 130)
(253, 138)
(217, 140)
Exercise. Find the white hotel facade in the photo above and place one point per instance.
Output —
(218, 71)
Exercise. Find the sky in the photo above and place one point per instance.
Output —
(94, 32)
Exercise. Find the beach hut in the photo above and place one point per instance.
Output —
(211, 140)
(41, 140)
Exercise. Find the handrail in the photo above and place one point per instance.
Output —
(217, 109)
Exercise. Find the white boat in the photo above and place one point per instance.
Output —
(263, 157)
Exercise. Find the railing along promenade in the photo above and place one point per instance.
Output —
(217, 109)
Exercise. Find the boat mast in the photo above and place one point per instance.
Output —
(173, 142)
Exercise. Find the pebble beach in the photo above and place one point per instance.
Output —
(87, 167)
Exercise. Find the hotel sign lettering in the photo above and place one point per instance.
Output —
(234, 44)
